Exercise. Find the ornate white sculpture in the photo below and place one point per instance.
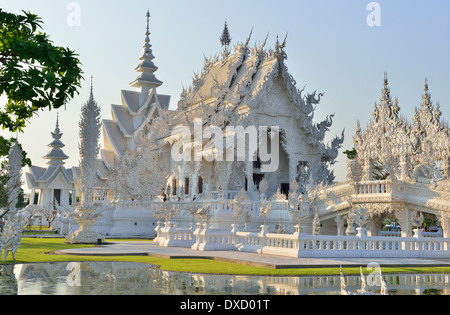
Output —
(240, 208)
(316, 224)
(87, 212)
(296, 207)
(399, 149)
(360, 216)
(141, 174)
(11, 235)
(204, 214)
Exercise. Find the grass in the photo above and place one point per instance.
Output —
(36, 250)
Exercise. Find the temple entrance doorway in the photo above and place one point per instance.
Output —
(57, 196)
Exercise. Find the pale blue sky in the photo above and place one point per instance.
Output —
(330, 49)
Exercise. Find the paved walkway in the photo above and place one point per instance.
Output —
(148, 248)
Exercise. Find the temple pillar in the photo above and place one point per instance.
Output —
(444, 221)
(193, 191)
(32, 196)
(340, 223)
(404, 218)
(40, 197)
(374, 225)
(181, 179)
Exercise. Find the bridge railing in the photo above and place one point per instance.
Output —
(306, 246)
(373, 187)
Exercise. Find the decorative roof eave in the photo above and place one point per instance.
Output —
(104, 158)
(125, 95)
(34, 171)
(49, 178)
(107, 130)
(150, 96)
(56, 155)
(155, 108)
(305, 108)
(142, 82)
(126, 133)
(31, 183)
(64, 177)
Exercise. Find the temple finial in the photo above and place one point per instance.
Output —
(146, 67)
(225, 38)
(91, 96)
(148, 22)
(386, 81)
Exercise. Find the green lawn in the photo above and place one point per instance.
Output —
(37, 249)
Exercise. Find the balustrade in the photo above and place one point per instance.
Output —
(373, 187)
(307, 246)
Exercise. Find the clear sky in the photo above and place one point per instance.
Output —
(330, 48)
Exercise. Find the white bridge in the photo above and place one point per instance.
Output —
(334, 204)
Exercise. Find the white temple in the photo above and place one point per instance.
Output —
(247, 87)
(240, 164)
(53, 185)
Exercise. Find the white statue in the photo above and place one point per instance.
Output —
(11, 236)
(87, 212)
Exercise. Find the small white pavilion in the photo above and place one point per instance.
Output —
(52, 185)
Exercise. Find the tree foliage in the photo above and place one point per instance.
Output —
(34, 73)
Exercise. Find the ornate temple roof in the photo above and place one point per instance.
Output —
(137, 108)
(237, 84)
(40, 177)
(56, 155)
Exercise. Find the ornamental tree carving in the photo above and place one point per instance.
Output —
(89, 149)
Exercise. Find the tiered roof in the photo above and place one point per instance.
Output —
(40, 177)
(137, 108)
(56, 155)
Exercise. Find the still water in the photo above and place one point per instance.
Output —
(114, 278)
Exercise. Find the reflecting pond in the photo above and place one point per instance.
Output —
(124, 278)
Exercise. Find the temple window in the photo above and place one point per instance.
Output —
(174, 187)
(186, 186)
(200, 185)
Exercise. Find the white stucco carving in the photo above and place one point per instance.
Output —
(11, 235)
(87, 212)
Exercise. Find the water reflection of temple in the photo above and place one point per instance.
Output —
(142, 279)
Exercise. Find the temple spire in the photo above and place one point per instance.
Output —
(146, 79)
(91, 96)
(225, 38)
(427, 104)
(56, 155)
